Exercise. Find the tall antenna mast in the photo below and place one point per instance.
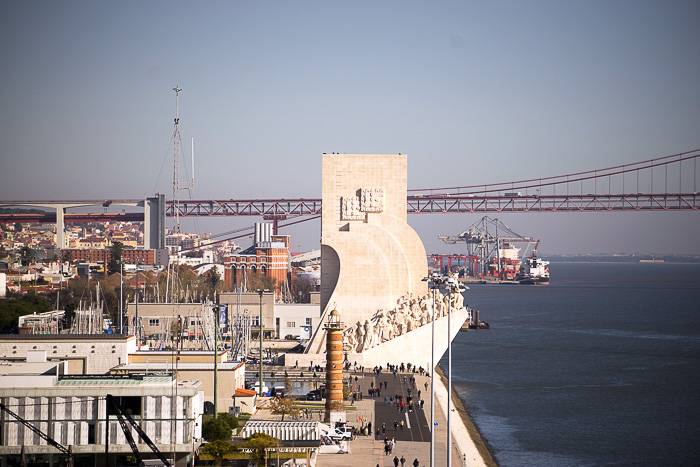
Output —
(176, 160)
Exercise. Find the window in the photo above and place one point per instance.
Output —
(291, 324)
(154, 322)
(130, 405)
(308, 321)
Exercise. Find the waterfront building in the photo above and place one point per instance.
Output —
(73, 411)
(279, 320)
(83, 353)
(191, 365)
(159, 322)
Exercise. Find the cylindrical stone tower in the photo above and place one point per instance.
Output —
(334, 365)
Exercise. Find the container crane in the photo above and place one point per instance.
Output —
(487, 238)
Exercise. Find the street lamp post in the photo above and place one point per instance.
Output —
(260, 326)
(452, 286)
(434, 282)
(216, 361)
(121, 295)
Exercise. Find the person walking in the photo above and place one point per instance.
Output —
(415, 462)
(396, 461)
(402, 424)
(383, 428)
(403, 461)
(396, 425)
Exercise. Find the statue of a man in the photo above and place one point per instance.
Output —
(360, 336)
(369, 335)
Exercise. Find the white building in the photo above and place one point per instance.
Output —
(83, 353)
(296, 320)
(72, 410)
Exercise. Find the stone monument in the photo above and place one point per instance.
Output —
(373, 264)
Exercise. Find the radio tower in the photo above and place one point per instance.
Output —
(177, 186)
(176, 160)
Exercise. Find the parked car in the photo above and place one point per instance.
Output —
(340, 433)
(315, 395)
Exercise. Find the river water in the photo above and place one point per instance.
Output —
(601, 367)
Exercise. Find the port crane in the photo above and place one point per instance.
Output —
(487, 238)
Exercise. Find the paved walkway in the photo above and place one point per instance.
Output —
(412, 443)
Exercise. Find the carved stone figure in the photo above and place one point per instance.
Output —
(369, 335)
(360, 336)
(411, 312)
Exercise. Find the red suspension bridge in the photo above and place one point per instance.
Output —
(663, 184)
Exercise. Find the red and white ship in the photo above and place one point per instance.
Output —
(533, 270)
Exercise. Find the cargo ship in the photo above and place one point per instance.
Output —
(533, 271)
(506, 264)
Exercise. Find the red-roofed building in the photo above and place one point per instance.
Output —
(244, 401)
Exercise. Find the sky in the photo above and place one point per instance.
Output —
(473, 92)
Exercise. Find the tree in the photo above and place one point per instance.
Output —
(216, 429)
(12, 309)
(25, 255)
(258, 281)
(214, 278)
(283, 406)
(301, 290)
(67, 257)
(231, 420)
(258, 443)
(287, 384)
(114, 264)
(218, 450)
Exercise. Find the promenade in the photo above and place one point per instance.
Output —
(413, 442)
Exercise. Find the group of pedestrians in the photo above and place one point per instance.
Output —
(402, 461)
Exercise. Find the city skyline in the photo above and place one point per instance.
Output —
(472, 93)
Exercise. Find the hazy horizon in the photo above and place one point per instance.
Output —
(474, 93)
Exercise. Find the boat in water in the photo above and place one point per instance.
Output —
(533, 271)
